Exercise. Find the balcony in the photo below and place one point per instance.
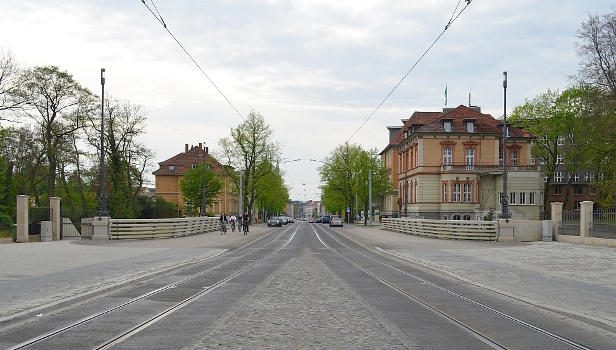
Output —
(485, 168)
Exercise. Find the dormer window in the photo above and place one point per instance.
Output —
(447, 126)
(194, 166)
(470, 126)
(171, 167)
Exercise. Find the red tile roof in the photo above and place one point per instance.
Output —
(183, 162)
(417, 118)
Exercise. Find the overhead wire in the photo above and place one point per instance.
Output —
(160, 20)
(449, 23)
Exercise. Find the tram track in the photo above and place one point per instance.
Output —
(337, 247)
(275, 236)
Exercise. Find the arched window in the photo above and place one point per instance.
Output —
(467, 217)
(456, 217)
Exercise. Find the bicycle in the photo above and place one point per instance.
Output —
(223, 227)
(232, 226)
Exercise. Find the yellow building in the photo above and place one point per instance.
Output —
(450, 167)
(171, 172)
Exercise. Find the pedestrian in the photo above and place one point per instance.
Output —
(245, 220)
(232, 219)
(223, 223)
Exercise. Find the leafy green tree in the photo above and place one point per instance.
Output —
(273, 194)
(192, 185)
(250, 147)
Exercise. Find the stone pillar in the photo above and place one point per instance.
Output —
(556, 213)
(585, 218)
(22, 218)
(54, 205)
(505, 231)
(100, 228)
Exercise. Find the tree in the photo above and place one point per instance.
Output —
(192, 186)
(273, 194)
(345, 177)
(597, 52)
(9, 73)
(58, 105)
(250, 147)
(126, 158)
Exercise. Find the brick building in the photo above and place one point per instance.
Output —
(171, 172)
(450, 167)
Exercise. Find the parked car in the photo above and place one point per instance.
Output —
(311, 220)
(274, 221)
(325, 219)
(318, 220)
(336, 221)
(285, 220)
(291, 219)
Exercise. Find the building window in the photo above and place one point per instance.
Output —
(522, 197)
(500, 158)
(467, 217)
(546, 178)
(445, 196)
(514, 158)
(512, 196)
(557, 190)
(591, 176)
(560, 159)
(470, 158)
(593, 191)
(467, 192)
(456, 217)
(561, 140)
(171, 167)
(445, 217)
(470, 127)
(447, 126)
(456, 193)
(447, 156)
(558, 176)
(578, 190)
(194, 166)
(577, 205)
(531, 198)
(576, 177)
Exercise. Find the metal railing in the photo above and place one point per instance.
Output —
(161, 228)
(449, 229)
(603, 223)
(570, 223)
(458, 167)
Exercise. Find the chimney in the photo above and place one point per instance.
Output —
(200, 145)
(185, 147)
(206, 150)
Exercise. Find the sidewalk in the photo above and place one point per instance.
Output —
(571, 278)
(37, 275)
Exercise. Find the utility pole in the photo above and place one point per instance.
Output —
(370, 196)
(203, 198)
(505, 203)
(240, 209)
(102, 203)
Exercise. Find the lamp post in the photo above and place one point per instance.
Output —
(203, 197)
(102, 205)
(504, 199)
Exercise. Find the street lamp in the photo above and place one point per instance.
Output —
(203, 197)
(102, 205)
(504, 199)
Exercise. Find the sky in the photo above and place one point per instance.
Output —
(314, 69)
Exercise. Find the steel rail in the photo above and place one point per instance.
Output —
(148, 294)
(448, 291)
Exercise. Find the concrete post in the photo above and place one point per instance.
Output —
(100, 228)
(506, 230)
(556, 213)
(22, 218)
(585, 218)
(54, 205)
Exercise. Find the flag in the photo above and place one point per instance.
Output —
(445, 95)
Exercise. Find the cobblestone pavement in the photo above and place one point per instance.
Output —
(573, 278)
(303, 305)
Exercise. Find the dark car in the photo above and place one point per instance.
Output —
(274, 221)
(325, 219)
(318, 220)
(284, 219)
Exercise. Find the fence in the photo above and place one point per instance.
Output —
(161, 228)
(450, 229)
(570, 223)
(35, 216)
(72, 223)
(603, 224)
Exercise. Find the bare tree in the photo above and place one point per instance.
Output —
(597, 50)
(9, 73)
(58, 105)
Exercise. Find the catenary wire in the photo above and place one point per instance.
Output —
(451, 21)
(162, 22)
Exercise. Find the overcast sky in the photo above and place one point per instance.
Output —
(313, 69)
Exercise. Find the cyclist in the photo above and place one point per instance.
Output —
(223, 223)
(245, 220)
(232, 219)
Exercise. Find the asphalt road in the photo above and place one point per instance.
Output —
(303, 286)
